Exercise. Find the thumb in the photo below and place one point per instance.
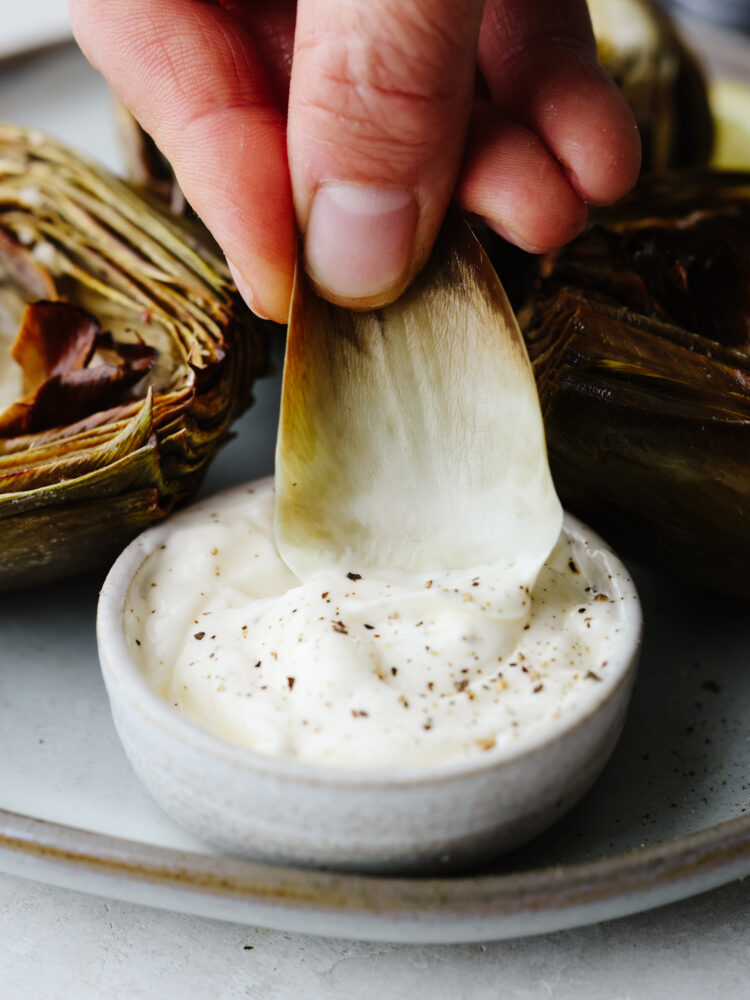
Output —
(380, 99)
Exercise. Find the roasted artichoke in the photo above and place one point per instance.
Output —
(641, 49)
(131, 355)
(639, 334)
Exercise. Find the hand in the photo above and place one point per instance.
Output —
(387, 117)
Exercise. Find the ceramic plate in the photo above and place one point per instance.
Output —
(668, 818)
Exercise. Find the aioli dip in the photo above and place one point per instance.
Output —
(363, 668)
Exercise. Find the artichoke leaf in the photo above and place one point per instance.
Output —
(55, 348)
(74, 463)
(33, 545)
(137, 470)
(54, 338)
(410, 437)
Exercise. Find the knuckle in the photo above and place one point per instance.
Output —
(546, 46)
(379, 94)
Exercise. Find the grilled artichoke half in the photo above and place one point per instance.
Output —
(639, 46)
(131, 354)
(639, 334)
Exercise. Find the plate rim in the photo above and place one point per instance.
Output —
(406, 909)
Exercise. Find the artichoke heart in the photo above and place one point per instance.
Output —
(125, 354)
(639, 334)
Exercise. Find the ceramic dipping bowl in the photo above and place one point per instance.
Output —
(411, 820)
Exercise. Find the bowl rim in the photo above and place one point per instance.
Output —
(122, 675)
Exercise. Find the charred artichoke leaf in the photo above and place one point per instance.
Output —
(639, 334)
(125, 378)
(55, 348)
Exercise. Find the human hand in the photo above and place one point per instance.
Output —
(387, 117)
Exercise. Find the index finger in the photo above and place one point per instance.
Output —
(192, 76)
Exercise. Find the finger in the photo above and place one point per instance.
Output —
(512, 180)
(271, 26)
(380, 99)
(539, 60)
(190, 74)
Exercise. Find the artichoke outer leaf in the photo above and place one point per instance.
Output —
(410, 437)
(34, 548)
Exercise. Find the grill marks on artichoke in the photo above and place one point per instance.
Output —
(168, 365)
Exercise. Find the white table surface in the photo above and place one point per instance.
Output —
(61, 944)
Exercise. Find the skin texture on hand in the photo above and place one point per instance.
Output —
(357, 120)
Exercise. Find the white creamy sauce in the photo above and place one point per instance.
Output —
(358, 668)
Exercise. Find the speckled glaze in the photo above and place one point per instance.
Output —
(436, 818)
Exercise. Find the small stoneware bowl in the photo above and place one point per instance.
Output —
(416, 819)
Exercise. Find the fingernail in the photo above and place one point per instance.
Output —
(246, 291)
(359, 238)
